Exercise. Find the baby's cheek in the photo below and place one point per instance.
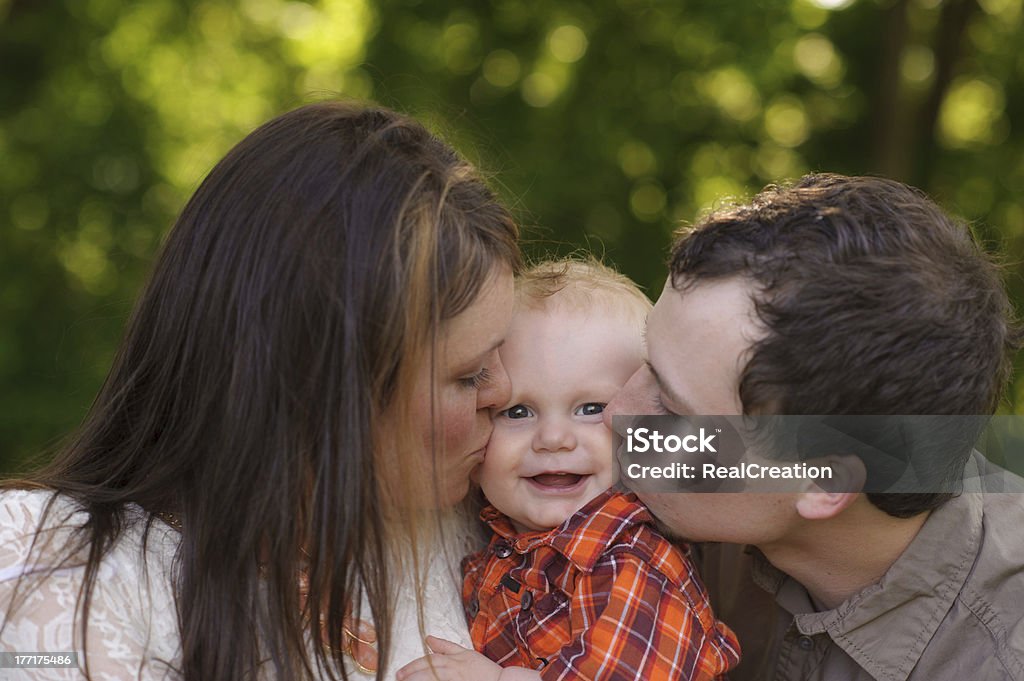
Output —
(611, 470)
(499, 447)
(613, 474)
(502, 456)
(498, 487)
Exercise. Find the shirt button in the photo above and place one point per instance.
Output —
(474, 607)
(526, 602)
(805, 643)
(502, 550)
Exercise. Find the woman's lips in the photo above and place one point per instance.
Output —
(481, 451)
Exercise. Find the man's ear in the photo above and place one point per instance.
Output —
(826, 498)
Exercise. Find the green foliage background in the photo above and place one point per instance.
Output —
(604, 123)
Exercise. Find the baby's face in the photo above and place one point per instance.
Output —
(550, 453)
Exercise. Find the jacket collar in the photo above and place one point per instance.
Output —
(886, 627)
(584, 536)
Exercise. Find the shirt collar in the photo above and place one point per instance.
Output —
(906, 606)
(585, 536)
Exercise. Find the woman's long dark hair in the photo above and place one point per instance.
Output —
(302, 282)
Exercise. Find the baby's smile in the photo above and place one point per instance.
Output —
(558, 482)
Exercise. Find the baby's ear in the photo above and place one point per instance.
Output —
(821, 499)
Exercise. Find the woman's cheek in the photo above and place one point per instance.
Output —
(458, 414)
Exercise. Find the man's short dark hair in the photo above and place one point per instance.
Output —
(874, 301)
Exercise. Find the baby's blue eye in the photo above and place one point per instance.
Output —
(590, 409)
(518, 411)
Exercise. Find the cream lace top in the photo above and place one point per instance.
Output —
(132, 630)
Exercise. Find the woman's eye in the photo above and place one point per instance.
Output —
(477, 380)
(590, 409)
(518, 411)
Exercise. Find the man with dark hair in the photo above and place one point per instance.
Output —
(843, 296)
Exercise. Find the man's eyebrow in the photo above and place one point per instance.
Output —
(662, 385)
(665, 388)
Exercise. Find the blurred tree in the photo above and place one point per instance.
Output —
(604, 123)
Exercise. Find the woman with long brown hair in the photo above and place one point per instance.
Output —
(300, 396)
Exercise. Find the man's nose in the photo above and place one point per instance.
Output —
(625, 401)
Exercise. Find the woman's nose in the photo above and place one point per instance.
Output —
(498, 389)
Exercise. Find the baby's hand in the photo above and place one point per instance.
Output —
(452, 662)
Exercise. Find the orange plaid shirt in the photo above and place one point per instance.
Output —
(603, 596)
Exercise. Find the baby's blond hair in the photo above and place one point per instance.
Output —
(579, 282)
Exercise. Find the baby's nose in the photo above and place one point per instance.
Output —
(554, 435)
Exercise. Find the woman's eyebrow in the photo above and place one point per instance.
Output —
(497, 344)
(476, 358)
